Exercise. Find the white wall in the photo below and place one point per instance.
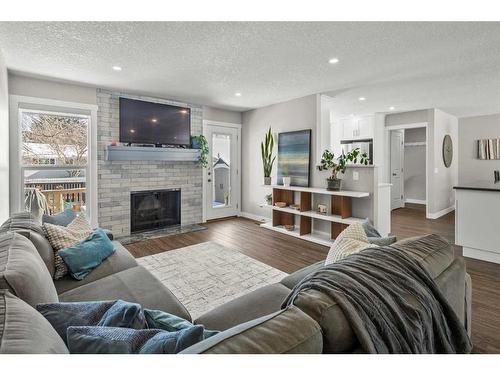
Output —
(470, 129)
(48, 89)
(4, 142)
(414, 165)
(221, 115)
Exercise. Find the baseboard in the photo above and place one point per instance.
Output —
(251, 216)
(438, 214)
(485, 255)
(415, 201)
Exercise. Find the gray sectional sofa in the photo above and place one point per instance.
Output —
(253, 323)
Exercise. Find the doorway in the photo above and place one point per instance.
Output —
(222, 181)
(408, 165)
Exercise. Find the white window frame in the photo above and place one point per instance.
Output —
(18, 105)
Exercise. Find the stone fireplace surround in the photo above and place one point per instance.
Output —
(116, 179)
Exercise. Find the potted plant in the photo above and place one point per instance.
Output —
(339, 165)
(199, 142)
(266, 149)
(286, 178)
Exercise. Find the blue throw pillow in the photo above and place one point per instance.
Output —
(62, 218)
(157, 319)
(107, 313)
(83, 257)
(110, 340)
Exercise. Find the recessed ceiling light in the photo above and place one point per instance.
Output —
(333, 60)
(117, 68)
(154, 120)
(391, 108)
(362, 98)
(237, 94)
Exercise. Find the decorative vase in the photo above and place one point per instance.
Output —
(286, 181)
(267, 180)
(334, 185)
(195, 144)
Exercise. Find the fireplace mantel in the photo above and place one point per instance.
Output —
(151, 153)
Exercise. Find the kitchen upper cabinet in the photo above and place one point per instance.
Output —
(356, 127)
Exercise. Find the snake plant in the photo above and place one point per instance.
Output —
(266, 149)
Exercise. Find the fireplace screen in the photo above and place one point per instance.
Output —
(157, 209)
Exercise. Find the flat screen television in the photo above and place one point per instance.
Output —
(154, 123)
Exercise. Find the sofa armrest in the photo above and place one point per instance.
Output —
(468, 304)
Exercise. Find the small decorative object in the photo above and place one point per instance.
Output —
(488, 149)
(199, 142)
(339, 165)
(286, 181)
(289, 227)
(112, 143)
(280, 204)
(295, 206)
(496, 174)
(294, 157)
(447, 151)
(266, 149)
(322, 208)
(269, 199)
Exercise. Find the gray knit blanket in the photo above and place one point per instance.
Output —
(391, 302)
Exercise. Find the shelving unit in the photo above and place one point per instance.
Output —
(339, 218)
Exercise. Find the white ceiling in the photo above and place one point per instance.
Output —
(452, 66)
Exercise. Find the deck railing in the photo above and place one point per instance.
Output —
(56, 199)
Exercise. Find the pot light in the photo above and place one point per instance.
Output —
(154, 120)
(117, 68)
(361, 98)
(392, 108)
(333, 60)
(237, 94)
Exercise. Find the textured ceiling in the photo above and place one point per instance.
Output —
(453, 66)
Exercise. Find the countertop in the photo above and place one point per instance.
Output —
(479, 185)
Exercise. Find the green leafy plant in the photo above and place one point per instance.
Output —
(266, 149)
(201, 142)
(339, 165)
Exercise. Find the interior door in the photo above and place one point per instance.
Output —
(397, 154)
(222, 178)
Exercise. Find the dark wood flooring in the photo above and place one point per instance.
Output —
(290, 254)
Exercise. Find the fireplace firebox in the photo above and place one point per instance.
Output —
(157, 209)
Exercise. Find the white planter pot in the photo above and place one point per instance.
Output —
(286, 181)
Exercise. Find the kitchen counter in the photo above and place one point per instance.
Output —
(479, 185)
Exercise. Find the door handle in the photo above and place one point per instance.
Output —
(394, 174)
(209, 180)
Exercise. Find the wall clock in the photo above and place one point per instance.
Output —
(447, 151)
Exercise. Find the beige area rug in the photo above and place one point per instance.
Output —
(207, 275)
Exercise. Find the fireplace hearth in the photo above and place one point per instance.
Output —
(156, 209)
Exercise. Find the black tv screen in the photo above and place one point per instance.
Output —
(160, 124)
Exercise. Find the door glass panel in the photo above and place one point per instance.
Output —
(221, 169)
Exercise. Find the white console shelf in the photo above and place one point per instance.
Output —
(151, 153)
(339, 216)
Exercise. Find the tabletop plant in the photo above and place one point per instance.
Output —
(338, 165)
(266, 148)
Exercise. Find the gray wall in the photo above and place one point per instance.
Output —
(4, 142)
(414, 165)
(44, 88)
(222, 115)
(471, 129)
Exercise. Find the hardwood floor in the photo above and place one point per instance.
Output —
(290, 254)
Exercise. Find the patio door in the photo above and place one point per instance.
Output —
(222, 176)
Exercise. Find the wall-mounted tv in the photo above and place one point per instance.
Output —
(154, 123)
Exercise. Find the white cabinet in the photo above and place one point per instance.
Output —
(356, 127)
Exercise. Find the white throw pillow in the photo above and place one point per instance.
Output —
(349, 241)
(62, 237)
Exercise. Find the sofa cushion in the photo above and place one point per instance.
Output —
(25, 224)
(434, 251)
(285, 331)
(294, 278)
(260, 302)
(63, 237)
(23, 272)
(120, 260)
(133, 285)
(24, 331)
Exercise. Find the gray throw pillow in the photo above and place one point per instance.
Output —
(62, 218)
(382, 241)
(370, 229)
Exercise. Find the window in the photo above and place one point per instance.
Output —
(54, 161)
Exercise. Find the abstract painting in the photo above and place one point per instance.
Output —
(294, 157)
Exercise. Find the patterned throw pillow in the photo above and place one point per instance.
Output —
(350, 241)
(63, 237)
